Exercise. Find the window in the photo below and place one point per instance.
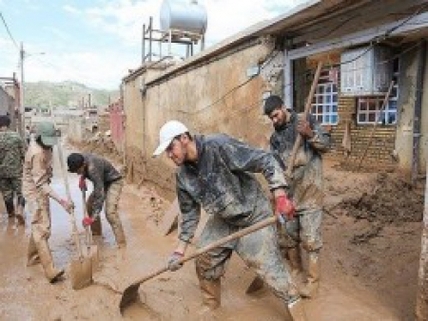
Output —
(324, 102)
(368, 108)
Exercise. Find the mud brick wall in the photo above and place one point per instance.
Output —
(103, 122)
(378, 154)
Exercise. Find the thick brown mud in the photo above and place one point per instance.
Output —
(367, 275)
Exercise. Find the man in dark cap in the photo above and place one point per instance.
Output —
(12, 156)
(107, 183)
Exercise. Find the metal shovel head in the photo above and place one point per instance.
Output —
(256, 285)
(81, 273)
(129, 296)
(93, 254)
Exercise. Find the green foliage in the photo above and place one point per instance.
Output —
(69, 94)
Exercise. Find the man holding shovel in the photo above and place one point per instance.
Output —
(214, 173)
(305, 186)
(36, 179)
(12, 155)
(108, 184)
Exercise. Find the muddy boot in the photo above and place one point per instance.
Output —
(96, 227)
(295, 261)
(119, 235)
(52, 274)
(20, 215)
(10, 208)
(296, 309)
(310, 289)
(32, 254)
(211, 293)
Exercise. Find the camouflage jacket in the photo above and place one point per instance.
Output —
(12, 154)
(101, 173)
(222, 181)
(307, 173)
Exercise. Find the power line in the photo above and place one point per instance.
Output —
(8, 31)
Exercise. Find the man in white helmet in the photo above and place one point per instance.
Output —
(214, 172)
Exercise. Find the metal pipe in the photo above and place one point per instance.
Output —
(150, 36)
(143, 45)
(418, 110)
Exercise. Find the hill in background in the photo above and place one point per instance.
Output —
(45, 94)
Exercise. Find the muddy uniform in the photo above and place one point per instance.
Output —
(221, 183)
(108, 184)
(12, 155)
(37, 176)
(306, 189)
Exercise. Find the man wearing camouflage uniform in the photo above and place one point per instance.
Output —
(12, 155)
(306, 185)
(108, 184)
(214, 173)
(37, 175)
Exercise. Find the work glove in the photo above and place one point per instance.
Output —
(67, 205)
(284, 207)
(173, 259)
(87, 221)
(82, 183)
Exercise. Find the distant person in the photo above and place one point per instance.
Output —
(27, 134)
(12, 153)
(214, 173)
(36, 179)
(306, 185)
(108, 184)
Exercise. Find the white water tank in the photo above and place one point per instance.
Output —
(190, 17)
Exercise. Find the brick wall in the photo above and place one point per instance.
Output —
(377, 143)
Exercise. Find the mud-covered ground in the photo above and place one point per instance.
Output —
(369, 261)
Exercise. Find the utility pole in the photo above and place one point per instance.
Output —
(22, 93)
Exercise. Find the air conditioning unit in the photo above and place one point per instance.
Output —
(365, 71)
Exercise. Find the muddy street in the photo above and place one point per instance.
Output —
(361, 281)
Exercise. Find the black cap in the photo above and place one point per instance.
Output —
(74, 162)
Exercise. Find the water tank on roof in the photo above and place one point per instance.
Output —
(190, 17)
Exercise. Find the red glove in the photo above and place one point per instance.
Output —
(82, 183)
(87, 221)
(284, 206)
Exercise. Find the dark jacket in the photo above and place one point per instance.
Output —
(222, 181)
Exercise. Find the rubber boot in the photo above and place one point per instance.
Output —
(10, 208)
(310, 289)
(52, 274)
(32, 254)
(297, 310)
(96, 227)
(211, 293)
(20, 215)
(295, 261)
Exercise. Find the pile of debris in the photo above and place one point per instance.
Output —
(391, 199)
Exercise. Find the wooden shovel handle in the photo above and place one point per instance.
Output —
(67, 189)
(308, 105)
(231, 237)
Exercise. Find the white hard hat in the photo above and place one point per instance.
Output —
(167, 133)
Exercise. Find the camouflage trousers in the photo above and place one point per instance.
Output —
(41, 218)
(11, 187)
(259, 250)
(111, 209)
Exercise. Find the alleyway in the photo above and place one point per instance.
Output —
(370, 278)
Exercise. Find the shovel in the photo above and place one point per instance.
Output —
(80, 268)
(91, 248)
(130, 295)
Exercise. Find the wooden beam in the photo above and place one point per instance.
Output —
(418, 22)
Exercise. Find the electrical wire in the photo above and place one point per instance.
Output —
(8, 31)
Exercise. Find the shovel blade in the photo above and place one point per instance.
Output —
(94, 255)
(255, 286)
(81, 273)
(129, 296)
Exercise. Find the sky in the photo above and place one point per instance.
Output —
(96, 42)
